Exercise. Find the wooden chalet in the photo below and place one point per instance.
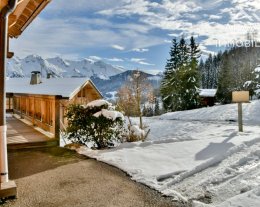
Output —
(207, 97)
(44, 103)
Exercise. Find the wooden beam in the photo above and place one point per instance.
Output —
(12, 20)
(3, 3)
(35, 13)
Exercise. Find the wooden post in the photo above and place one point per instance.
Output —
(33, 111)
(57, 119)
(7, 188)
(240, 117)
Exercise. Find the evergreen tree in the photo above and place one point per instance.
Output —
(184, 54)
(253, 85)
(171, 65)
(224, 93)
(215, 70)
(194, 53)
(209, 71)
(230, 71)
(202, 74)
(179, 87)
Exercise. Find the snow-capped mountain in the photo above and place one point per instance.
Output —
(110, 86)
(58, 67)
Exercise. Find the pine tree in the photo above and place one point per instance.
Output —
(202, 74)
(224, 93)
(180, 86)
(253, 85)
(171, 65)
(257, 81)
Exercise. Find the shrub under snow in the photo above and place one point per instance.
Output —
(135, 133)
(97, 122)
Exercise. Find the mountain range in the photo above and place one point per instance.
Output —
(106, 77)
(58, 67)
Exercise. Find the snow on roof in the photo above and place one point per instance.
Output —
(65, 87)
(208, 92)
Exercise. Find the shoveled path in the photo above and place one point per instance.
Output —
(57, 177)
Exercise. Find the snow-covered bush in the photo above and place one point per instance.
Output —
(97, 122)
(135, 134)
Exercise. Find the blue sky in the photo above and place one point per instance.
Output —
(135, 33)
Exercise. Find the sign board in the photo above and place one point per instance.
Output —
(240, 96)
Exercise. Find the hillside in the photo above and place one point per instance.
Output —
(108, 87)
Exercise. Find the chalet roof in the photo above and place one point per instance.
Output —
(65, 87)
(23, 15)
(208, 92)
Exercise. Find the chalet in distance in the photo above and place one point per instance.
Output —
(43, 101)
(207, 97)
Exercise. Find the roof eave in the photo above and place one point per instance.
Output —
(16, 30)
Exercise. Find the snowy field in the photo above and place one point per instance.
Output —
(198, 157)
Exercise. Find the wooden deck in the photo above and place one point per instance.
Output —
(21, 135)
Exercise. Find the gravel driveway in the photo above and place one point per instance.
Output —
(59, 177)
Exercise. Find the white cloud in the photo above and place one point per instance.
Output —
(187, 16)
(140, 50)
(140, 24)
(114, 59)
(215, 17)
(174, 35)
(141, 61)
(70, 37)
(167, 41)
(118, 47)
(93, 57)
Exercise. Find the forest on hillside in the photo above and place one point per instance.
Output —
(233, 69)
(185, 72)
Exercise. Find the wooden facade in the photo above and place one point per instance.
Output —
(48, 111)
(85, 95)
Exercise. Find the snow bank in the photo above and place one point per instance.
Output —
(218, 113)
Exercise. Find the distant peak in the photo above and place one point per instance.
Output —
(33, 56)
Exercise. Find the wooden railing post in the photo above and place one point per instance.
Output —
(57, 119)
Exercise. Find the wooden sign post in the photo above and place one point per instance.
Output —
(240, 97)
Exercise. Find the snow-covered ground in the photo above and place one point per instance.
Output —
(198, 157)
